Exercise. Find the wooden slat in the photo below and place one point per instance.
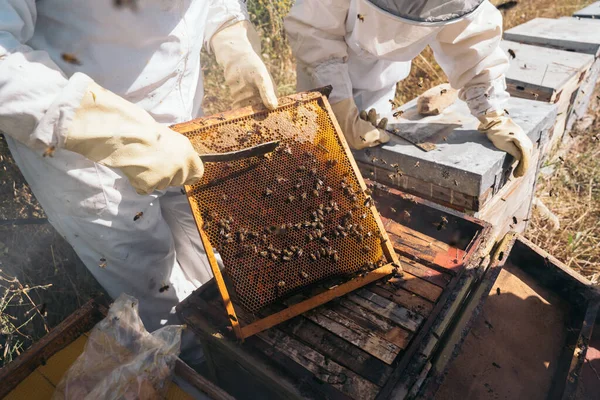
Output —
(337, 349)
(376, 324)
(323, 369)
(416, 244)
(355, 334)
(404, 298)
(418, 286)
(414, 267)
(386, 309)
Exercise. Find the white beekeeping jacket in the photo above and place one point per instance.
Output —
(464, 36)
(150, 55)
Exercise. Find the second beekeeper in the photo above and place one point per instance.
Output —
(364, 47)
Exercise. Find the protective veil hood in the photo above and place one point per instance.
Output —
(428, 10)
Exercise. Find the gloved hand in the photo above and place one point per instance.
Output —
(111, 131)
(436, 99)
(507, 136)
(237, 50)
(362, 130)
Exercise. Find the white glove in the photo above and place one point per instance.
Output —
(436, 99)
(507, 136)
(237, 50)
(111, 131)
(362, 130)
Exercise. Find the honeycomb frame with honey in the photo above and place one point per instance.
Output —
(285, 221)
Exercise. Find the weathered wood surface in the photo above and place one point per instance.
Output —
(572, 34)
(592, 11)
(464, 161)
(543, 74)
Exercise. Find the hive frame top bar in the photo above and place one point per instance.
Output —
(214, 126)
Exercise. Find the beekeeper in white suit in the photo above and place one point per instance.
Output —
(87, 90)
(364, 47)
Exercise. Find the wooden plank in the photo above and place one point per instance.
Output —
(434, 276)
(592, 11)
(416, 244)
(355, 334)
(199, 382)
(417, 286)
(387, 309)
(581, 36)
(323, 369)
(404, 298)
(376, 324)
(337, 349)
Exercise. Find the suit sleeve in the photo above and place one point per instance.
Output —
(316, 30)
(37, 100)
(469, 52)
(221, 14)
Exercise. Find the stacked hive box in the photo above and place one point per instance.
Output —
(571, 34)
(592, 11)
(464, 171)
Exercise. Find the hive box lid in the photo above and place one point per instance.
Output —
(591, 11)
(464, 160)
(578, 35)
(542, 71)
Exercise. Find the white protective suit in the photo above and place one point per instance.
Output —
(49, 53)
(364, 47)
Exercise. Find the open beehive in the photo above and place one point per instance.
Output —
(285, 221)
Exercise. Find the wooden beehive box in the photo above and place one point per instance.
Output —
(375, 342)
(570, 34)
(549, 75)
(465, 171)
(524, 332)
(35, 374)
(592, 11)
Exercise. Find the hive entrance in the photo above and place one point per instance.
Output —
(287, 220)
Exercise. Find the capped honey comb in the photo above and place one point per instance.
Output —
(289, 219)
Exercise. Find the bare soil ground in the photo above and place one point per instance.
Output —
(33, 255)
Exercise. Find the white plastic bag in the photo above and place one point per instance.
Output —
(121, 360)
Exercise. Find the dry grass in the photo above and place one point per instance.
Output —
(572, 192)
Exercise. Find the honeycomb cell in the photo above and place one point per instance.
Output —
(291, 218)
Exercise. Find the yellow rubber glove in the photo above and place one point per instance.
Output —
(436, 99)
(360, 130)
(111, 131)
(237, 50)
(509, 137)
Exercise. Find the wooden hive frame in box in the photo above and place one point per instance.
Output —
(278, 221)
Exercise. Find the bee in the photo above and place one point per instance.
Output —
(368, 201)
(102, 263)
(444, 219)
(182, 190)
(287, 150)
(304, 274)
(315, 193)
(49, 152)
(406, 214)
(268, 192)
(515, 221)
(335, 257)
(363, 139)
(360, 17)
(445, 139)
(443, 91)
(512, 53)
(290, 198)
(224, 196)
(231, 317)
(420, 83)
(398, 113)
(263, 253)
(164, 288)
(70, 58)
(506, 112)
(138, 215)
(366, 249)
(417, 164)
(132, 4)
(535, 95)
(303, 196)
(498, 291)
(301, 168)
(280, 179)
(455, 182)
(313, 257)
(392, 176)
(393, 209)
(320, 146)
(299, 253)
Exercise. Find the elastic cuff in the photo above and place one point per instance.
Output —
(485, 98)
(53, 127)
